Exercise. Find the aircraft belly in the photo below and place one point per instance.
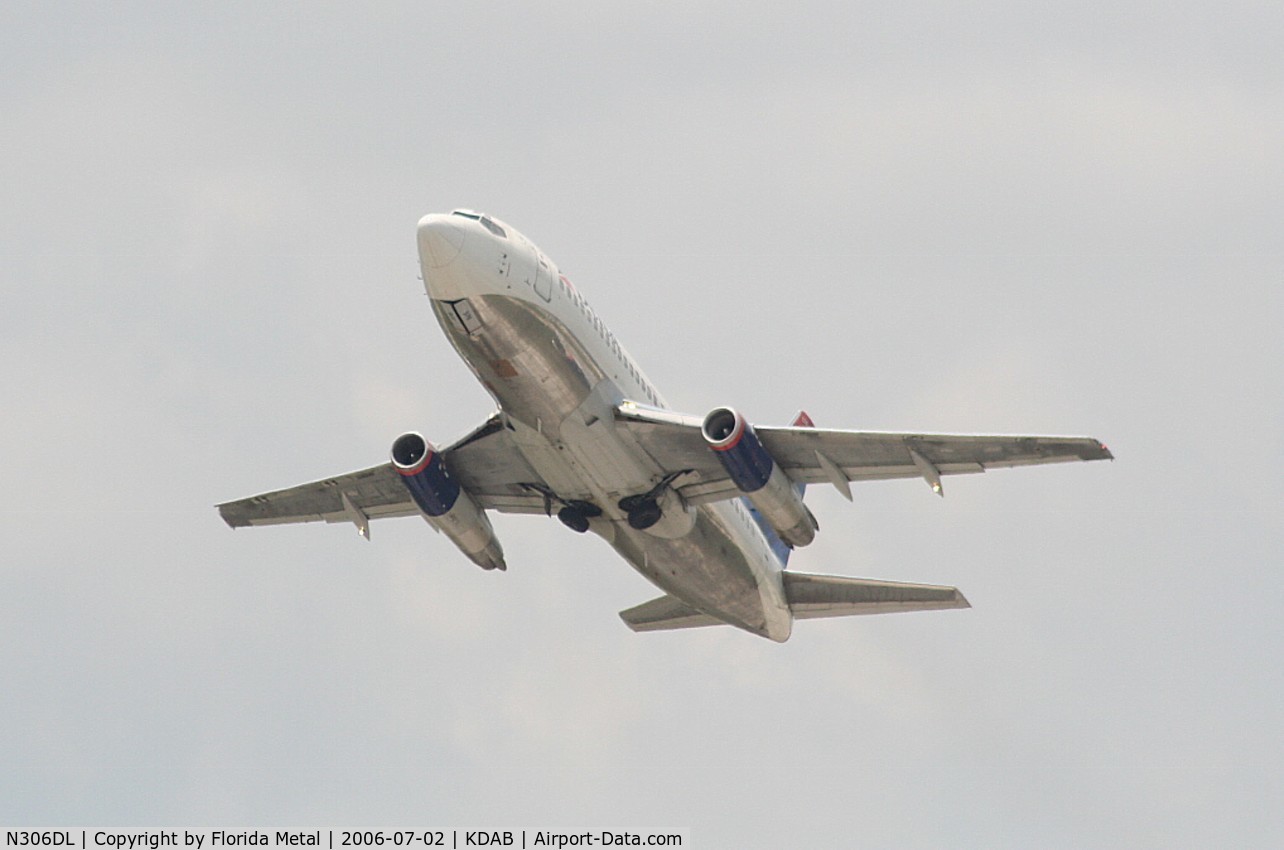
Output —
(710, 567)
(560, 407)
(712, 570)
(523, 357)
(559, 403)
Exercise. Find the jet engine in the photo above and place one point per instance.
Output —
(444, 504)
(762, 481)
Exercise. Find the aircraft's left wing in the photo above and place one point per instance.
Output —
(485, 462)
(818, 455)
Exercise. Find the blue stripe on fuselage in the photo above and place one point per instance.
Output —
(773, 539)
(777, 545)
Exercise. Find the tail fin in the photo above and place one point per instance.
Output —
(802, 420)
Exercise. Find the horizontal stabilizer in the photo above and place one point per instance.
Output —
(812, 596)
(666, 613)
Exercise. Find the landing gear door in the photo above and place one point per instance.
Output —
(463, 317)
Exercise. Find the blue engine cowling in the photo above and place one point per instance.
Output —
(734, 442)
(753, 471)
(424, 475)
(445, 505)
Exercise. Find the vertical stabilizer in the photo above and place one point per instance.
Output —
(802, 420)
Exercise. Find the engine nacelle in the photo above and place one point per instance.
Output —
(444, 504)
(764, 483)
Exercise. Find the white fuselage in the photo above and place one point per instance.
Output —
(558, 374)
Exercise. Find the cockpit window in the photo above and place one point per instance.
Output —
(486, 221)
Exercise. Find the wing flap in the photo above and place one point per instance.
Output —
(815, 596)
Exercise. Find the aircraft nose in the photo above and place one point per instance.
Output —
(440, 241)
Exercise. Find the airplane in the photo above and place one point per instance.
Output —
(706, 508)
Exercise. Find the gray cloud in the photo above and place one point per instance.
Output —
(1003, 219)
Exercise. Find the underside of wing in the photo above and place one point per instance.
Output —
(816, 455)
(355, 497)
(673, 441)
(869, 455)
(485, 462)
(493, 470)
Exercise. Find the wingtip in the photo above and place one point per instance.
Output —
(223, 515)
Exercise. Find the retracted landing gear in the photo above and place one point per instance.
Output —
(644, 510)
(576, 515)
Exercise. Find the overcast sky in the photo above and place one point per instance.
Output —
(907, 216)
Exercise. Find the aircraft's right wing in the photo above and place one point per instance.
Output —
(819, 455)
(810, 455)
